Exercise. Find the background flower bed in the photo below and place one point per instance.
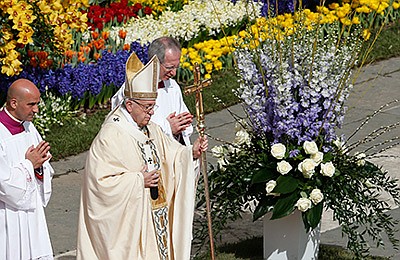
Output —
(66, 74)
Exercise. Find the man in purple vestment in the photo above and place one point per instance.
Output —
(25, 177)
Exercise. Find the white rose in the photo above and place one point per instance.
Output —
(242, 137)
(310, 147)
(307, 167)
(278, 151)
(316, 196)
(327, 169)
(270, 186)
(317, 157)
(283, 167)
(303, 204)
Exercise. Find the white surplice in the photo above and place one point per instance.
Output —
(169, 100)
(115, 219)
(23, 228)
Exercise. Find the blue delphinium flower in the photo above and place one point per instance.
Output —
(290, 97)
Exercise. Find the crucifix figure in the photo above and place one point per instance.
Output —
(197, 87)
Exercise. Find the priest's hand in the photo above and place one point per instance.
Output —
(179, 122)
(150, 178)
(200, 146)
(39, 154)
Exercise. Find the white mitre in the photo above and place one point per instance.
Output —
(141, 82)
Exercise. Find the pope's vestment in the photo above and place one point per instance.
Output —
(23, 229)
(116, 219)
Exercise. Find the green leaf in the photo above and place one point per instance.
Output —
(92, 101)
(328, 157)
(260, 210)
(313, 216)
(286, 184)
(284, 206)
(263, 175)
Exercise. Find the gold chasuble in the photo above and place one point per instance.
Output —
(118, 219)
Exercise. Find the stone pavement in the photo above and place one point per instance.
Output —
(377, 85)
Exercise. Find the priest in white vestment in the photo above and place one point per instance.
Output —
(138, 188)
(25, 177)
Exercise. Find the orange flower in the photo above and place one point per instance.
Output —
(33, 62)
(69, 54)
(95, 35)
(85, 49)
(97, 55)
(105, 35)
(126, 47)
(42, 55)
(122, 34)
(99, 44)
(81, 57)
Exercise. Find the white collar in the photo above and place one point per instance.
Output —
(12, 117)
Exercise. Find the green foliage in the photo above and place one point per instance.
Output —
(71, 139)
(55, 110)
(387, 44)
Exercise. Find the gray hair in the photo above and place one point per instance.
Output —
(160, 45)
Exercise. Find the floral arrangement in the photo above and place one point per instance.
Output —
(295, 76)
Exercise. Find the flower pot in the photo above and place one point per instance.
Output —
(286, 238)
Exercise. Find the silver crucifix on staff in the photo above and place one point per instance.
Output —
(197, 87)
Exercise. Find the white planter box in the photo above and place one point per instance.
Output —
(286, 238)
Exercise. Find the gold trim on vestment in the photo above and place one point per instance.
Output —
(140, 95)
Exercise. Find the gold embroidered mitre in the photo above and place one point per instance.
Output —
(141, 81)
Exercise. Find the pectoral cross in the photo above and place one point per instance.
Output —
(197, 87)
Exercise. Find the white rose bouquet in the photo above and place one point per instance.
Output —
(294, 85)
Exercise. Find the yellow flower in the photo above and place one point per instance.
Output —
(218, 65)
(208, 67)
(185, 65)
(57, 6)
(184, 51)
(25, 35)
(355, 20)
(44, 7)
(333, 5)
(363, 9)
(346, 21)
(366, 34)
(11, 65)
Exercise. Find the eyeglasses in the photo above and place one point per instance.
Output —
(146, 109)
(170, 67)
